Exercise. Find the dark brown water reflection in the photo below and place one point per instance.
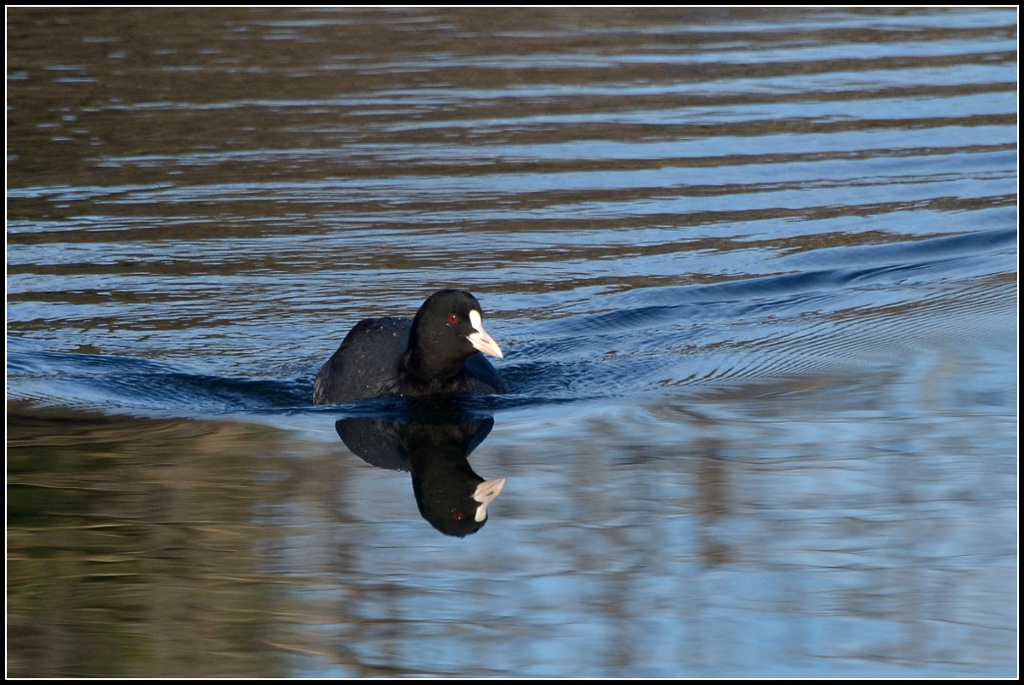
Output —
(755, 276)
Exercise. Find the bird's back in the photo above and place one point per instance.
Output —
(367, 362)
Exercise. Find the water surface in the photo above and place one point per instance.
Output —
(754, 273)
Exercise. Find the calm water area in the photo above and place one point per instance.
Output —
(754, 273)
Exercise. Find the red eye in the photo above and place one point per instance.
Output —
(458, 515)
(453, 318)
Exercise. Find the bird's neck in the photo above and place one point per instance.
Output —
(427, 368)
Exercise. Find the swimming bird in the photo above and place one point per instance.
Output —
(438, 352)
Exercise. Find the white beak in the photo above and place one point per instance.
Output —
(480, 340)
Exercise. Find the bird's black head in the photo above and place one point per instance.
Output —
(447, 329)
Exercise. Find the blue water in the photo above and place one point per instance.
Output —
(754, 274)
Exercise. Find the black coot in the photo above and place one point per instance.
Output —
(436, 353)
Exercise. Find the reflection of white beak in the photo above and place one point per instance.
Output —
(480, 340)
(485, 493)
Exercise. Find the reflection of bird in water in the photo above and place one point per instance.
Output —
(435, 449)
(435, 353)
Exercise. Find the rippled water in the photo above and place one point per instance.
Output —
(754, 272)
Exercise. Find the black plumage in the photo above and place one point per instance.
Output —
(438, 352)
